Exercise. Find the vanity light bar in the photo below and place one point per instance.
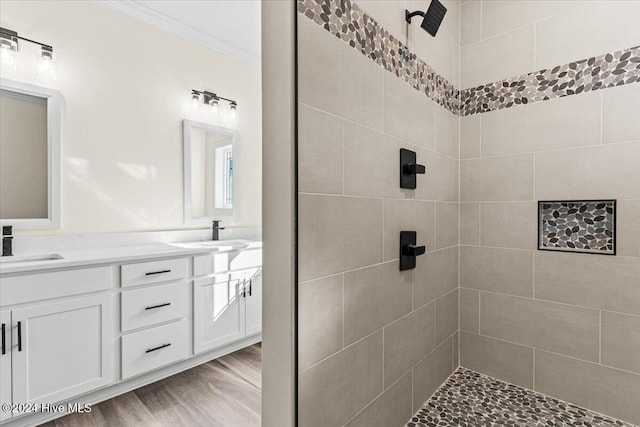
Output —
(9, 40)
(212, 99)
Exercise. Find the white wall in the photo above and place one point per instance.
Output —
(125, 89)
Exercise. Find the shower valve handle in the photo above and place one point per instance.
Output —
(414, 169)
(413, 250)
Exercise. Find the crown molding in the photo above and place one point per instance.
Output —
(146, 14)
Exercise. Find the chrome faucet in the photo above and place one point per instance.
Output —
(7, 238)
(215, 228)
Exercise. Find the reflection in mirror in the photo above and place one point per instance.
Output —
(208, 168)
(29, 155)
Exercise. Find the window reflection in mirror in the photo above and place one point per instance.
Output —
(29, 156)
(209, 170)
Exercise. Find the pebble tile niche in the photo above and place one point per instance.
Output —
(577, 226)
(345, 20)
(469, 399)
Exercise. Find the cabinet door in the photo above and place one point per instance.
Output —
(253, 301)
(65, 349)
(218, 312)
(5, 363)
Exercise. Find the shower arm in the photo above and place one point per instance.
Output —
(409, 15)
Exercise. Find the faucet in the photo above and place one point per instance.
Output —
(215, 228)
(7, 237)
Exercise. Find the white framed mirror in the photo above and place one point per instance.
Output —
(29, 156)
(210, 160)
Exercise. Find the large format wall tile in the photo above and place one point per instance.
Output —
(497, 179)
(593, 386)
(430, 372)
(560, 328)
(602, 172)
(509, 224)
(500, 359)
(408, 340)
(447, 132)
(446, 316)
(413, 215)
(559, 123)
(469, 223)
(609, 283)
(320, 308)
(589, 31)
(338, 234)
(374, 297)
(470, 22)
(507, 271)
(320, 151)
(441, 180)
(499, 16)
(620, 108)
(497, 58)
(371, 163)
(470, 136)
(470, 310)
(621, 341)
(628, 226)
(391, 408)
(436, 274)
(407, 114)
(446, 224)
(335, 389)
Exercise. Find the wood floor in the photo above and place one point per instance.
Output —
(222, 393)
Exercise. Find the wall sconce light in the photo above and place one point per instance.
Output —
(9, 45)
(212, 100)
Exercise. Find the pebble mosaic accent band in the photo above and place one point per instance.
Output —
(577, 226)
(345, 20)
(471, 399)
(599, 72)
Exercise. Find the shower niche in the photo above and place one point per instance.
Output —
(587, 226)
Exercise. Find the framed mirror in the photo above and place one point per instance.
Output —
(29, 156)
(210, 159)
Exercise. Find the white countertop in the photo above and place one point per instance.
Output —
(96, 256)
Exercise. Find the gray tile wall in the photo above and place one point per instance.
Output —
(374, 342)
(563, 324)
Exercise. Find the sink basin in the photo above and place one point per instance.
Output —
(30, 258)
(219, 245)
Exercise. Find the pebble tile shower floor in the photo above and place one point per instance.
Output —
(471, 399)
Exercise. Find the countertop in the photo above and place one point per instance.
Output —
(77, 258)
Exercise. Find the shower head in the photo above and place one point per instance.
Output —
(431, 19)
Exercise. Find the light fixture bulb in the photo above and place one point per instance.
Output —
(233, 107)
(9, 52)
(46, 64)
(195, 99)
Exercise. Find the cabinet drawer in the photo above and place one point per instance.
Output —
(147, 350)
(157, 304)
(41, 286)
(153, 272)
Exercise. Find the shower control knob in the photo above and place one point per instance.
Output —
(409, 250)
(413, 169)
(409, 169)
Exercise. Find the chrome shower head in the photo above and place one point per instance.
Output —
(431, 19)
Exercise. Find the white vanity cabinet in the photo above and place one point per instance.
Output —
(5, 362)
(62, 349)
(88, 332)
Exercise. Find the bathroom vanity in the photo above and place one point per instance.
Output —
(84, 326)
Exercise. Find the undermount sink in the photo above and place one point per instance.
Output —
(30, 258)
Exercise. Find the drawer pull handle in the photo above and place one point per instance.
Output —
(19, 336)
(151, 307)
(157, 272)
(4, 339)
(149, 350)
